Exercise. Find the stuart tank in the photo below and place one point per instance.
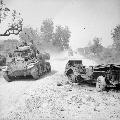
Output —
(26, 61)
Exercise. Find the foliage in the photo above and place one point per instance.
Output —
(61, 37)
(106, 56)
(116, 37)
(57, 39)
(101, 54)
(13, 18)
(3, 11)
(47, 30)
(28, 35)
(48, 40)
(96, 48)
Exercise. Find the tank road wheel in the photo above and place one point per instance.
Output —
(35, 73)
(40, 71)
(100, 84)
(6, 77)
(49, 68)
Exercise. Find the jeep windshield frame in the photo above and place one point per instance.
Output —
(73, 62)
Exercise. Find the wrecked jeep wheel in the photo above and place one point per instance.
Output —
(72, 78)
(35, 73)
(100, 84)
(6, 77)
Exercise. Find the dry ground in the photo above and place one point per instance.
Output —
(51, 98)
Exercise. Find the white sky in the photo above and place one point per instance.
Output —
(98, 17)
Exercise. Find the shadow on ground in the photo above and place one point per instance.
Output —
(30, 78)
(115, 89)
(86, 83)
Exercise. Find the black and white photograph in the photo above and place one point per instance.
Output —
(59, 59)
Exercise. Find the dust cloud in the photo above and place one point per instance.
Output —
(59, 60)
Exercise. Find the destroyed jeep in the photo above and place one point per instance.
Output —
(26, 62)
(102, 75)
(106, 76)
(74, 70)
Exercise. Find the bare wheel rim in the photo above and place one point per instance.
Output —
(72, 78)
(100, 84)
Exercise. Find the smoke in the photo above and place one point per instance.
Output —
(59, 55)
(59, 60)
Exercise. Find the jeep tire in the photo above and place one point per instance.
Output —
(100, 84)
(72, 78)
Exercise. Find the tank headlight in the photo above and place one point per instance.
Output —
(30, 66)
(4, 68)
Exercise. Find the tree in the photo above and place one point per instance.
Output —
(28, 35)
(61, 37)
(47, 28)
(96, 48)
(14, 24)
(116, 37)
(3, 11)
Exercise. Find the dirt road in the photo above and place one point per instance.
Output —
(51, 98)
